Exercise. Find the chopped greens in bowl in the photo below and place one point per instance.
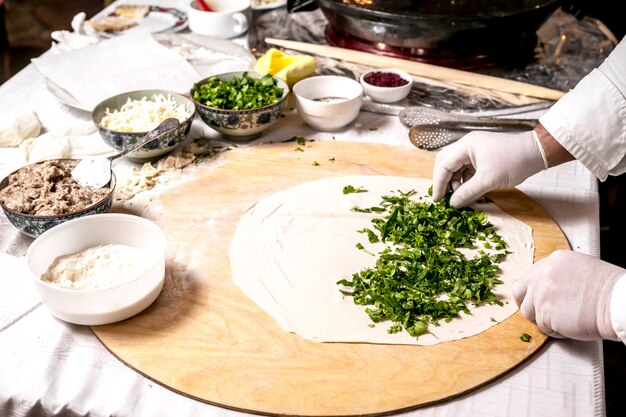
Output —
(240, 105)
(243, 92)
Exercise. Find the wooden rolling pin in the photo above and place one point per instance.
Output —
(423, 70)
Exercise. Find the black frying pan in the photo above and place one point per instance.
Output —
(463, 28)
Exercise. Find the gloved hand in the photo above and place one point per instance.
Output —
(568, 294)
(484, 161)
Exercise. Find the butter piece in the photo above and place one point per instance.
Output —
(289, 68)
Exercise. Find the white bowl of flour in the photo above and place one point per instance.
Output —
(99, 269)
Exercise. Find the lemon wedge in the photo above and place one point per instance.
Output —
(289, 68)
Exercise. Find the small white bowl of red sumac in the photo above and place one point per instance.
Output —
(386, 85)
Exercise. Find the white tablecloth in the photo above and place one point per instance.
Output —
(50, 368)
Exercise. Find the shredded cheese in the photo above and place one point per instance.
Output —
(150, 174)
(145, 114)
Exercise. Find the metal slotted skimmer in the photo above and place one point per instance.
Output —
(431, 129)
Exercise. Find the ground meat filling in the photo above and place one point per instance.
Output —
(48, 189)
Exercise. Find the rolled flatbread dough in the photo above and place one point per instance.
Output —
(291, 248)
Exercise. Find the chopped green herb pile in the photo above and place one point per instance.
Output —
(239, 93)
(349, 189)
(525, 337)
(421, 277)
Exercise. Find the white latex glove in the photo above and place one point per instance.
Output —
(568, 294)
(484, 161)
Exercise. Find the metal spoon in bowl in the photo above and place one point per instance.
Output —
(96, 172)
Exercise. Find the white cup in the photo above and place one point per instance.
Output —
(229, 18)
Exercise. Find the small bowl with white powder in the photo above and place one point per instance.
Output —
(328, 102)
(99, 269)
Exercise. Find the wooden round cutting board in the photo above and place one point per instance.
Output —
(205, 339)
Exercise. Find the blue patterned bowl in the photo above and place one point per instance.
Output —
(33, 225)
(124, 140)
(241, 125)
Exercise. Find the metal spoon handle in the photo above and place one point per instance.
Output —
(434, 136)
(166, 126)
(414, 116)
(490, 124)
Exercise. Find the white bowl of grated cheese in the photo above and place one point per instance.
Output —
(99, 269)
(124, 119)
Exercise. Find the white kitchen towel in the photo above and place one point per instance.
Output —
(124, 63)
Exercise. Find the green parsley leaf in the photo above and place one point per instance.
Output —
(525, 337)
(349, 189)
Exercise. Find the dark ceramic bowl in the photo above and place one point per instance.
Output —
(33, 225)
(123, 140)
(241, 125)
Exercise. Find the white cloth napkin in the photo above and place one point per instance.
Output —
(22, 142)
(13, 132)
(65, 40)
(125, 63)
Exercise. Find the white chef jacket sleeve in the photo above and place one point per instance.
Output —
(590, 120)
(618, 308)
